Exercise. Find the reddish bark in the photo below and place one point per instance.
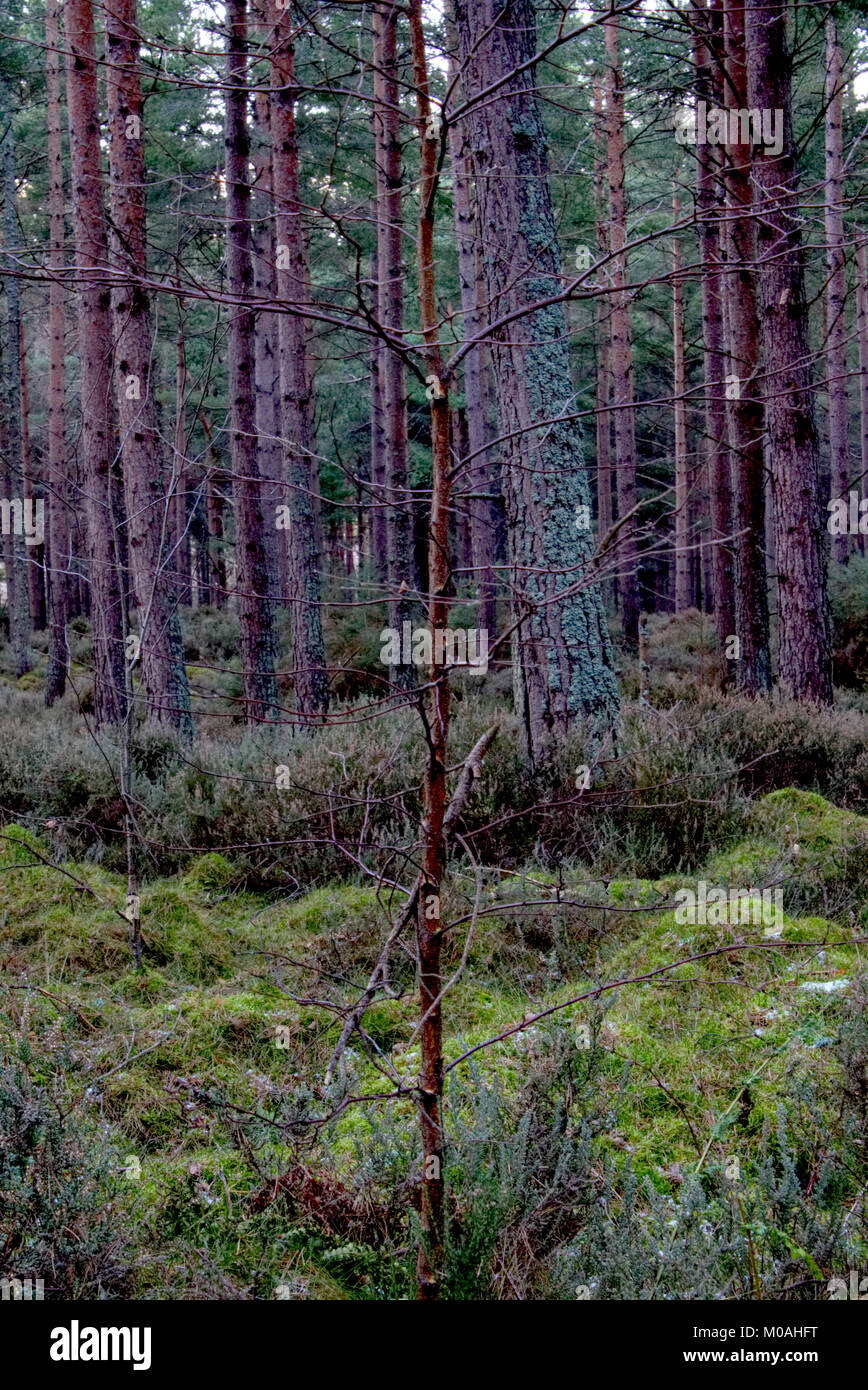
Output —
(429, 930)
(94, 348)
(146, 496)
(805, 662)
(57, 503)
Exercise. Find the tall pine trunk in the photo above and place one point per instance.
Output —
(744, 401)
(602, 331)
(391, 270)
(836, 285)
(476, 477)
(562, 652)
(805, 661)
(622, 344)
(95, 357)
(17, 580)
(862, 335)
(707, 48)
(300, 474)
(57, 532)
(683, 591)
(266, 344)
(148, 505)
(258, 642)
(429, 929)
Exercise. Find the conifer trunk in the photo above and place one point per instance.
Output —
(836, 286)
(95, 356)
(300, 474)
(622, 345)
(57, 501)
(744, 400)
(805, 659)
(258, 643)
(562, 653)
(148, 505)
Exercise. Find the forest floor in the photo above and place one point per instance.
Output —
(712, 1112)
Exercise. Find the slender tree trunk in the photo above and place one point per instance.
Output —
(95, 355)
(215, 482)
(429, 928)
(310, 675)
(147, 501)
(745, 406)
(805, 663)
(258, 642)
(622, 347)
(836, 288)
(562, 655)
(17, 583)
(400, 566)
(267, 351)
(603, 331)
(708, 53)
(376, 524)
(58, 535)
(476, 477)
(862, 334)
(6, 490)
(179, 524)
(683, 592)
(36, 556)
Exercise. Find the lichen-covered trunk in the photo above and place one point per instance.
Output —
(95, 357)
(300, 475)
(804, 624)
(258, 644)
(622, 343)
(57, 503)
(744, 399)
(148, 505)
(400, 563)
(836, 284)
(563, 666)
